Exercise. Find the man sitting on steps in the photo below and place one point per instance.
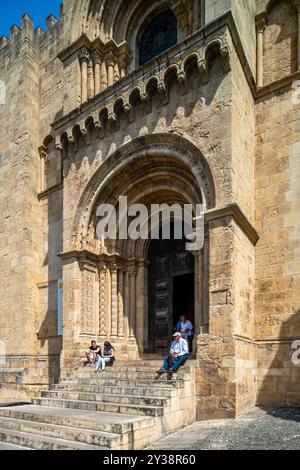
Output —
(178, 356)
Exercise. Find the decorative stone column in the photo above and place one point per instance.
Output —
(132, 302)
(126, 303)
(91, 80)
(84, 57)
(103, 84)
(44, 161)
(142, 316)
(110, 62)
(114, 301)
(102, 301)
(60, 156)
(260, 28)
(205, 260)
(116, 72)
(97, 60)
(121, 303)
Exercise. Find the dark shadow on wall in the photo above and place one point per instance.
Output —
(50, 340)
(281, 385)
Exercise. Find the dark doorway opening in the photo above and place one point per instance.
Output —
(171, 290)
(183, 298)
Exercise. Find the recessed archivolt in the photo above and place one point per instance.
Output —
(177, 165)
(120, 20)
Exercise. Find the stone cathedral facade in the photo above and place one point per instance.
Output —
(175, 101)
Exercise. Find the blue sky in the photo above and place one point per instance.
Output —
(13, 10)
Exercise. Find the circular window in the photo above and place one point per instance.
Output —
(158, 36)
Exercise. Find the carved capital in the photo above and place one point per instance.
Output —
(102, 268)
(58, 144)
(83, 129)
(43, 153)
(97, 57)
(128, 108)
(97, 122)
(203, 69)
(111, 115)
(70, 137)
(124, 60)
(260, 22)
(162, 90)
(131, 268)
(84, 55)
(181, 76)
(110, 59)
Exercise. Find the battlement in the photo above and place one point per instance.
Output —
(27, 30)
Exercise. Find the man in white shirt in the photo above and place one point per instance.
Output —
(178, 356)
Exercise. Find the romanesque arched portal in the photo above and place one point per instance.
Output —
(112, 274)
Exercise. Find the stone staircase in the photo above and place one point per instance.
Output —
(126, 408)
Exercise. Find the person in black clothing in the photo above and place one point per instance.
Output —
(92, 353)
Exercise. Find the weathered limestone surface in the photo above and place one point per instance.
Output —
(213, 120)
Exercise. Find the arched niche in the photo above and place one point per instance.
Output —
(280, 41)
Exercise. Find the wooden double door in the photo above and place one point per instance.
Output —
(171, 290)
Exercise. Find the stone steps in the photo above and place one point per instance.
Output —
(129, 407)
(103, 422)
(140, 410)
(106, 380)
(66, 433)
(105, 398)
(7, 447)
(36, 442)
(128, 375)
(162, 392)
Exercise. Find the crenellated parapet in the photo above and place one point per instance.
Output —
(27, 31)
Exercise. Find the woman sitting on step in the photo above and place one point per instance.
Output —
(109, 353)
(107, 359)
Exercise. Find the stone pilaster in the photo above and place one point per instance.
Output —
(91, 79)
(260, 28)
(44, 161)
(103, 301)
(88, 300)
(110, 63)
(121, 303)
(114, 301)
(132, 304)
(97, 60)
(84, 57)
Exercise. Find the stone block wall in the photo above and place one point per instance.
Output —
(252, 147)
(32, 102)
(277, 253)
(280, 42)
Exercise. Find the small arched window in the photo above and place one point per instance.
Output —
(158, 36)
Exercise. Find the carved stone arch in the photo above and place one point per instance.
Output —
(170, 146)
(271, 4)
